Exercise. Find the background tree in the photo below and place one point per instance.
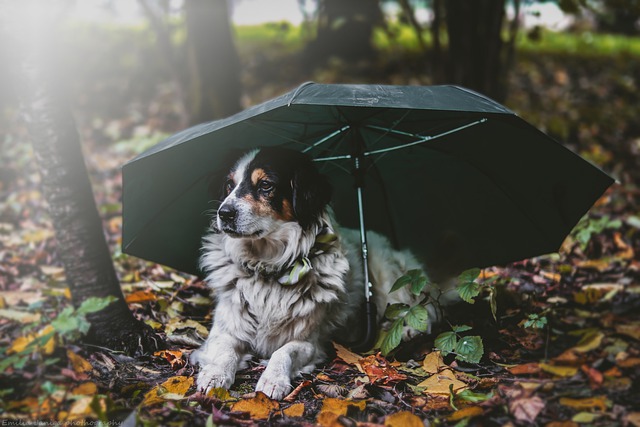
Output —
(65, 184)
(214, 66)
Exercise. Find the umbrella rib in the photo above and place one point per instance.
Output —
(326, 138)
(422, 138)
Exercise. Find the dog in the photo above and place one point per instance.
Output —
(286, 278)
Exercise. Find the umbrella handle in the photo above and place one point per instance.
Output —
(369, 336)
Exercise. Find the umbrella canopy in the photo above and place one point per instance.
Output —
(458, 178)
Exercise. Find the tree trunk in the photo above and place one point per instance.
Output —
(475, 53)
(65, 185)
(213, 60)
(345, 29)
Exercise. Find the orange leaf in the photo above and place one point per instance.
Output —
(599, 403)
(259, 407)
(525, 369)
(348, 356)
(140, 296)
(403, 419)
(433, 363)
(87, 389)
(295, 410)
(378, 368)
(464, 413)
(174, 357)
(340, 406)
(78, 363)
(173, 387)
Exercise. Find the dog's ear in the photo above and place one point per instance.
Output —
(311, 193)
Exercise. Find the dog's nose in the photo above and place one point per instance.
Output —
(227, 213)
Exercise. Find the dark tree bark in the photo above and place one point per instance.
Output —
(214, 63)
(345, 29)
(67, 190)
(476, 52)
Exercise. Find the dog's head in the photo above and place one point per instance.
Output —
(268, 187)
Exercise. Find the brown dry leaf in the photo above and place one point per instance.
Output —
(562, 424)
(140, 296)
(629, 362)
(15, 297)
(169, 390)
(526, 409)
(328, 419)
(595, 377)
(601, 265)
(81, 409)
(295, 410)
(559, 371)
(403, 419)
(438, 384)
(633, 418)
(626, 251)
(599, 403)
(629, 329)
(258, 407)
(174, 357)
(19, 316)
(348, 356)
(378, 368)
(465, 413)
(433, 363)
(78, 363)
(525, 369)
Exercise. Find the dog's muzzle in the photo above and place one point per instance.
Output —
(227, 216)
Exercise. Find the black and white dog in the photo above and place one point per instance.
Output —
(287, 280)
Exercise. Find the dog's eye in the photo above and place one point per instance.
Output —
(265, 186)
(228, 186)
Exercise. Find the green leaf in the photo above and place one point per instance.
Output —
(418, 284)
(401, 283)
(493, 302)
(446, 342)
(393, 337)
(469, 275)
(471, 396)
(461, 328)
(469, 349)
(417, 318)
(394, 311)
(66, 321)
(93, 304)
(468, 291)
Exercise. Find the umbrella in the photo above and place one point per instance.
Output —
(458, 178)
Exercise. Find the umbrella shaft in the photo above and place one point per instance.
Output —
(363, 242)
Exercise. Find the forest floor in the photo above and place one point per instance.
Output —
(562, 350)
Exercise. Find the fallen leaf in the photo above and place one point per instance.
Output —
(559, 371)
(140, 296)
(220, 393)
(80, 409)
(258, 407)
(348, 356)
(168, 390)
(585, 417)
(595, 377)
(21, 343)
(526, 409)
(433, 363)
(590, 341)
(465, 413)
(174, 357)
(295, 410)
(403, 419)
(16, 297)
(629, 362)
(341, 406)
(378, 368)
(633, 418)
(438, 384)
(629, 329)
(599, 403)
(78, 363)
(88, 389)
(525, 369)
(19, 316)
(561, 424)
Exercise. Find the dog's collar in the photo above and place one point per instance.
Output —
(299, 268)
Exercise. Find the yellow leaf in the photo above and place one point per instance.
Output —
(88, 389)
(348, 356)
(295, 410)
(599, 403)
(328, 419)
(259, 407)
(340, 406)
(464, 413)
(403, 419)
(433, 362)
(630, 329)
(80, 409)
(589, 341)
(559, 371)
(585, 417)
(21, 343)
(220, 393)
(78, 363)
(173, 386)
(15, 297)
(438, 384)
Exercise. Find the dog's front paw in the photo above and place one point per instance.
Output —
(213, 376)
(274, 386)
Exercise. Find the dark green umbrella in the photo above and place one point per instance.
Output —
(449, 173)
